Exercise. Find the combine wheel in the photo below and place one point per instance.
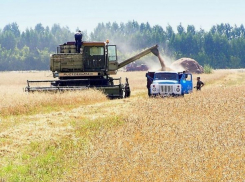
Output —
(123, 93)
(127, 91)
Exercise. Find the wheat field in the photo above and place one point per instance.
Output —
(83, 136)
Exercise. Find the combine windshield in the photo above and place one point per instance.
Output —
(94, 58)
(166, 76)
(96, 51)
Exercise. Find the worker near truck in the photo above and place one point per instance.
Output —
(78, 39)
(200, 84)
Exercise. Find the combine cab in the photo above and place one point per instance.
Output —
(91, 68)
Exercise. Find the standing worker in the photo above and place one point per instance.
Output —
(78, 39)
(200, 84)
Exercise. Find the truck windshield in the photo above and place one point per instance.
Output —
(166, 76)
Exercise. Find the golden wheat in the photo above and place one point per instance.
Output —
(199, 137)
(15, 101)
(196, 138)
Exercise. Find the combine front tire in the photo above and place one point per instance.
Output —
(127, 91)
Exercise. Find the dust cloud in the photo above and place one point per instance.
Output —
(154, 63)
(164, 63)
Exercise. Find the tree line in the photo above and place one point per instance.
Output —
(221, 47)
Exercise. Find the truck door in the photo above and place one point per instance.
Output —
(149, 78)
(186, 83)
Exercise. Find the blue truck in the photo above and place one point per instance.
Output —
(169, 83)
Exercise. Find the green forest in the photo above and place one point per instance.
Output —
(221, 47)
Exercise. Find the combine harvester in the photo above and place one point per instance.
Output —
(91, 68)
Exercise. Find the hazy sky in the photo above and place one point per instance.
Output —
(86, 15)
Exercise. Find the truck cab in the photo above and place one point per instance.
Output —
(169, 83)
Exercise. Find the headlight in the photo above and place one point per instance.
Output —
(178, 88)
(154, 88)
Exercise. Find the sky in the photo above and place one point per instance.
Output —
(86, 15)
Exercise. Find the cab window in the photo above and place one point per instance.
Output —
(112, 53)
(96, 51)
